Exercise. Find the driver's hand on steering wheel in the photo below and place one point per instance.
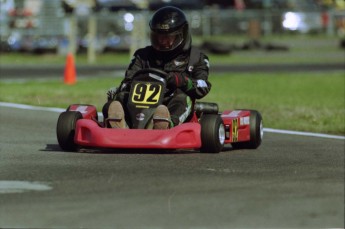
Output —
(176, 80)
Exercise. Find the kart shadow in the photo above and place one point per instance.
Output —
(52, 148)
(56, 148)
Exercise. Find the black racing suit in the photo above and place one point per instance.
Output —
(178, 100)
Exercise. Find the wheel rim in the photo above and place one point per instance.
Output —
(261, 130)
(221, 134)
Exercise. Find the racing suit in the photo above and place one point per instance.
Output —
(191, 81)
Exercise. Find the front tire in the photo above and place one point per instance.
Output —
(65, 130)
(212, 133)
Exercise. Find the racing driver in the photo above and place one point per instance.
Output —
(170, 51)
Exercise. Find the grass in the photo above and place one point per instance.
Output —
(294, 101)
(299, 101)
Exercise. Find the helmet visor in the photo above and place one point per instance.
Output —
(166, 41)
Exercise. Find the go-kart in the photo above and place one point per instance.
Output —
(207, 129)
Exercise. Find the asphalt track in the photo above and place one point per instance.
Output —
(289, 182)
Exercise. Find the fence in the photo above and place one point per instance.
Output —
(51, 28)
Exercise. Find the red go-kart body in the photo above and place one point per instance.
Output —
(240, 128)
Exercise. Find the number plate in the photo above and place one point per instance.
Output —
(146, 93)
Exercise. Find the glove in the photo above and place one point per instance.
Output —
(176, 80)
(111, 94)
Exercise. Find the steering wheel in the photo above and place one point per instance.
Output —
(151, 70)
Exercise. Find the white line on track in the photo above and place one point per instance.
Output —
(29, 107)
(8, 186)
(303, 133)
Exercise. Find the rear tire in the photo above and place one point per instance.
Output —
(65, 130)
(256, 133)
(212, 133)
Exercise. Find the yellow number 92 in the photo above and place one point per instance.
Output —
(146, 93)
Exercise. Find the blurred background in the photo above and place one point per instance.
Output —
(100, 26)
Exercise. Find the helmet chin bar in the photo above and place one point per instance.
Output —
(166, 42)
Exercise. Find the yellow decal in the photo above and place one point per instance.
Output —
(234, 127)
(146, 93)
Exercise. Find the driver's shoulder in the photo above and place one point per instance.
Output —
(143, 51)
(143, 54)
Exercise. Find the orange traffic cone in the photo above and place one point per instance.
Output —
(70, 76)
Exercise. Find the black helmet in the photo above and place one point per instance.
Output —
(169, 30)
